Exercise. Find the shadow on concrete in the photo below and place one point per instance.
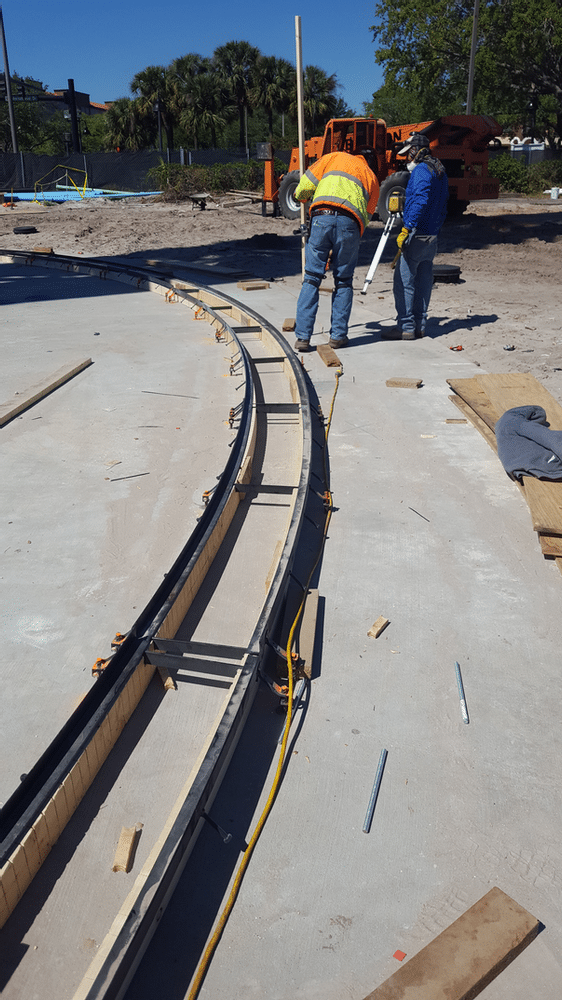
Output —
(13, 934)
(173, 956)
(274, 256)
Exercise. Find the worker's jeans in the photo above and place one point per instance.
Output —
(341, 235)
(413, 281)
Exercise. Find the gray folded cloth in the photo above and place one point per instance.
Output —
(527, 446)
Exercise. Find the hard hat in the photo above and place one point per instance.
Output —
(416, 141)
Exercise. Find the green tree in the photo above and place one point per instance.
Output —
(235, 63)
(198, 100)
(154, 89)
(320, 99)
(425, 50)
(274, 87)
(128, 126)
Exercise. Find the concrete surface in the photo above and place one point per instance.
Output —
(429, 532)
(102, 480)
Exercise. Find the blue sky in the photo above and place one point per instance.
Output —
(102, 44)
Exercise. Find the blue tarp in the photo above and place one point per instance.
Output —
(75, 195)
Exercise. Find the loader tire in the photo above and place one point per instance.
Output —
(398, 180)
(290, 208)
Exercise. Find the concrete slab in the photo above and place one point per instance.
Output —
(429, 532)
(102, 480)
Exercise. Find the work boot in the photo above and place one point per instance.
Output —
(392, 333)
(343, 342)
(408, 335)
(302, 345)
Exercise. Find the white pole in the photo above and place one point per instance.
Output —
(472, 57)
(300, 110)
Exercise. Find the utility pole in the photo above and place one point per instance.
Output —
(77, 145)
(8, 87)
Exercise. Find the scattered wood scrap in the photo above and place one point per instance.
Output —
(125, 853)
(483, 399)
(252, 286)
(289, 324)
(328, 355)
(404, 383)
(378, 627)
(467, 956)
(26, 399)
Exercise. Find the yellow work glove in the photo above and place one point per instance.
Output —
(402, 237)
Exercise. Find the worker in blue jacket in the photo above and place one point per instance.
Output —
(425, 208)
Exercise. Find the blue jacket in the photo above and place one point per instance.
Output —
(427, 192)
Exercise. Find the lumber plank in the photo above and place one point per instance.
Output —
(551, 545)
(467, 956)
(403, 383)
(476, 397)
(520, 389)
(545, 504)
(476, 421)
(328, 355)
(9, 410)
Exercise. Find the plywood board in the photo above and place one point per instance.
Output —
(467, 956)
(520, 389)
(551, 545)
(30, 396)
(476, 421)
(545, 504)
(476, 397)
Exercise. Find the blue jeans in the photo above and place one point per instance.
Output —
(341, 235)
(413, 281)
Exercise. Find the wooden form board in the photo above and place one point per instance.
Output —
(483, 399)
(26, 399)
(467, 956)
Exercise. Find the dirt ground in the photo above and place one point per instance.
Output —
(509, 252)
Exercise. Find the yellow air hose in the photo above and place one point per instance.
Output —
(210, 949)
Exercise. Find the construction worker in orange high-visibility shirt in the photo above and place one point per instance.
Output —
(343, 192)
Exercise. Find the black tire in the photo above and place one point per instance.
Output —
(456, 207)
(290, 208)
(396, 182)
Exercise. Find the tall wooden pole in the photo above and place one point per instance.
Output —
(8, 87)
(300, 111)
(472, 57)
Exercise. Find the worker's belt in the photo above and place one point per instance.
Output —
(333, 211)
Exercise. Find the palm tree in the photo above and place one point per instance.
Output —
(235, 63)
(198, 100)
(319, 98)
(202, 109)
(153, 87)
(275, 86)
(127, 126)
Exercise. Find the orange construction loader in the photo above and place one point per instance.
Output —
(461, 142)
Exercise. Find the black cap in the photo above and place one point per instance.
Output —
(416, 140)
